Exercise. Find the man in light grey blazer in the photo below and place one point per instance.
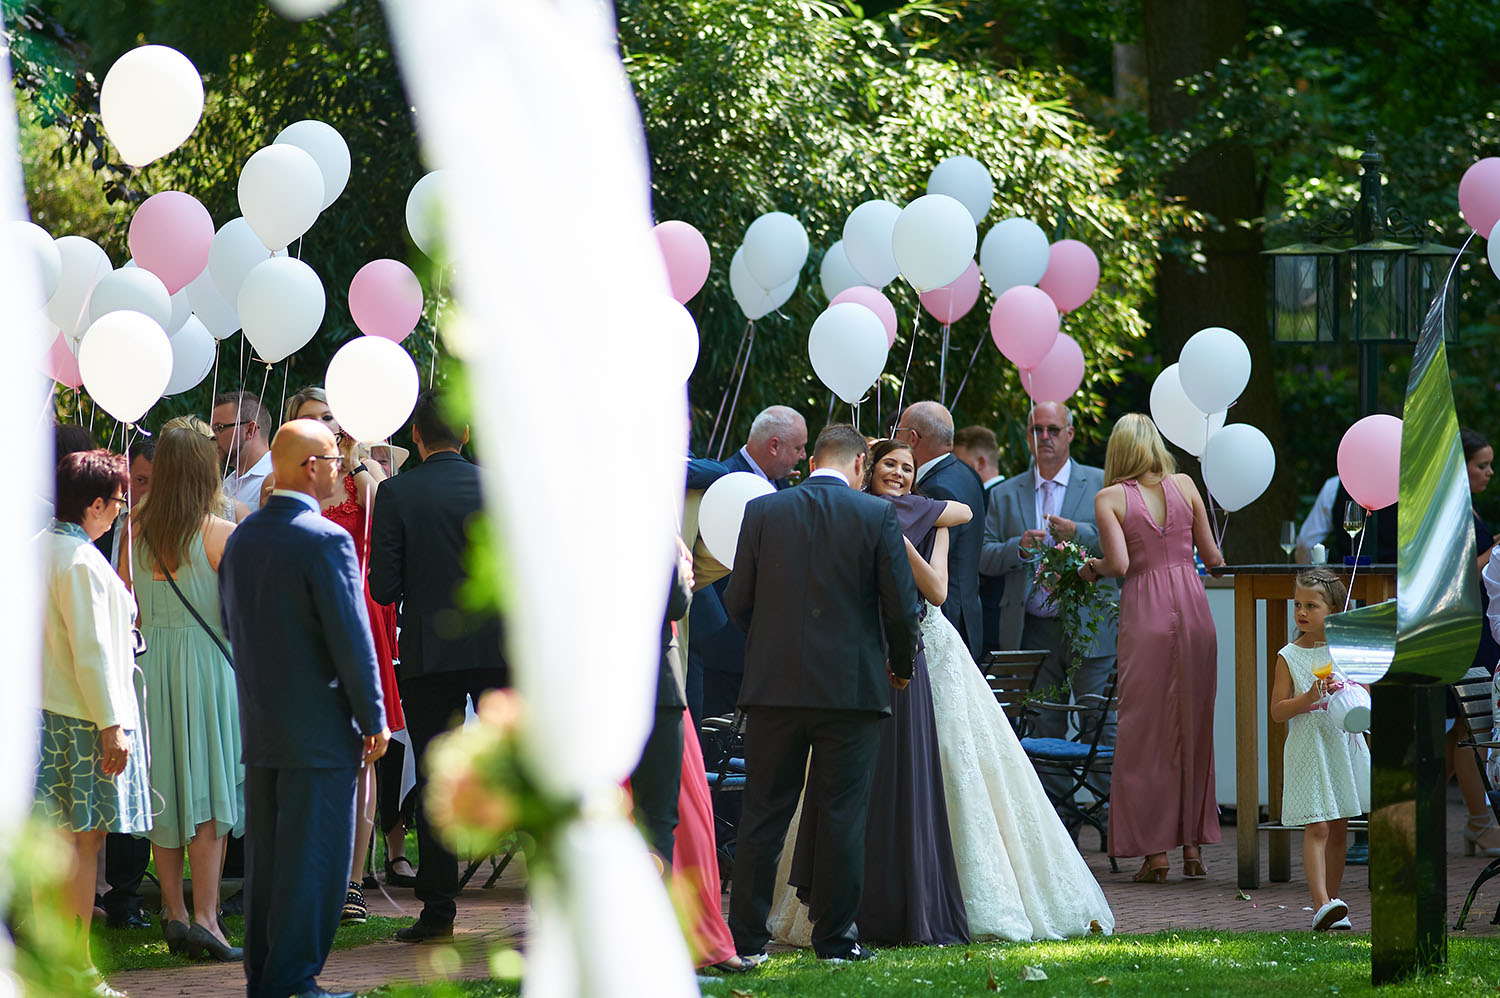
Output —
(1051, 501)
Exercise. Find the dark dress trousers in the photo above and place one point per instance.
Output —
(418, 542)
(309, 690)
(824, 592)
(991, 590)
(950, 478)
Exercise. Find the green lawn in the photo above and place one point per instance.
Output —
(1196, 963)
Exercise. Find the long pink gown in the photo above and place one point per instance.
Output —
(695, 856)
(1162, 790)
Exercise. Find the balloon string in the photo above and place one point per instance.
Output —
(1354, 569)
(943, 367)
(437, 295)
(724, 400)
(729, 423)
(901, 399)
(831, 397)
(855, 409)
(214, 391)
(965, 379)
(286, 374)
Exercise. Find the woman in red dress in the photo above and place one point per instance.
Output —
(350, 508)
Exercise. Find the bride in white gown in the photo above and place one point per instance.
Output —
(1021, 875)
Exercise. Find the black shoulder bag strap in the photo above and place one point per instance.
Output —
(196, 615)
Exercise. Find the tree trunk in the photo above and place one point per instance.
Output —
(1183, 38)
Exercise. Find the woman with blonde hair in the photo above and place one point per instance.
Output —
(230, 508)
(1150, 518)
(192, 707)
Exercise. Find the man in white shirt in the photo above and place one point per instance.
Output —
(242, 426)
(1319, 522)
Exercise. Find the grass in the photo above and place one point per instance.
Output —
(144, 949)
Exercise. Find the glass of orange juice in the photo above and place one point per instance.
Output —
(1324, 672)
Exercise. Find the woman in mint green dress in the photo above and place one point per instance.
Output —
(191, 705)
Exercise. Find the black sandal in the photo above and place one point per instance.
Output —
(394, 879)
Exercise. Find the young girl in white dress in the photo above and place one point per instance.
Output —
(1327, 769)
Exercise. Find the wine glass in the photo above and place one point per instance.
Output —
(1288, 537)
(1354, 519)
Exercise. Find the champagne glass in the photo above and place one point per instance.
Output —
(1354, 519)
(1288, 537)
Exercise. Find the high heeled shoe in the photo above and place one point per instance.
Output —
(175, 933)
(394, 879)
(201, 943)
(1192, 866)
(1149, 874)
(1473, 832)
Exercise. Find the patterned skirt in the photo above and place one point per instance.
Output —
(72, 791)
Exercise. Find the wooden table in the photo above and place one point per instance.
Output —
(1273, 584)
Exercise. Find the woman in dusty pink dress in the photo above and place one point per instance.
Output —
(1150, 518)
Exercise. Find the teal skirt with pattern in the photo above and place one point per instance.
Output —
(72, 791)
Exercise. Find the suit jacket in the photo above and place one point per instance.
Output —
(824, 592)
(950, 478)
(304, 661)
(1010, 512)
(991, 590)
(418, 544)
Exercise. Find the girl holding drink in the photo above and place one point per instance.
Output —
(1327, 769)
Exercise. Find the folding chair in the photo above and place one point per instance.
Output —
(723, 741)
(1012, 676)
(1081, 760)
(500, 862)
(1475, 693)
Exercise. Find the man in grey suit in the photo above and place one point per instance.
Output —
(1053, 501)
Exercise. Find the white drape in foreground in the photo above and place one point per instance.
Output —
(580, 427)
(24, 503)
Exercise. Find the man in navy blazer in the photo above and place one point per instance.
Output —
(310, 711)
(928, 428)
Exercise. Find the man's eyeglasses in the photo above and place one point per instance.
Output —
(221, 427)
(1047, 431)
(337, 459)
(896, 433)
(124, 503)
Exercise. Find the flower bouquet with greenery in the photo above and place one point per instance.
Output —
(1083, 608)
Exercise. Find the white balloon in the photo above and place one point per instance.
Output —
(867, 242)
(212, 309)
(182, 307)
(1015, 252)
(280, 307)
(967, 181)
(193, 351)
(280, 193)
(933, 241)
(126, 361)
(836, 273)
(150, 102)
(134, 289)
(775, 249)
(84, 264)
(303, 10)
(34, 240)
(424, 211)
(372, 387)
(1214, 367)
(754, 300)
(328, 149)
(679, 339)
(1238, 464)
(723, 510)
(1174, 414)
(235, 250)
(847, 346)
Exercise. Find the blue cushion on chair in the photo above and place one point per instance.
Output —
(1062, 750)
(730, 781)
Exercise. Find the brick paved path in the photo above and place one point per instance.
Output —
(486, 917)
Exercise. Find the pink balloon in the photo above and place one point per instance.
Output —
(1072, 274)
(686, 254)
(1479, 195)
(170, 236)
(61, 366)
(1058, 375)
(1369, 461)
(1024, 324)
(872, 299)
(385, 299)
(952, 302)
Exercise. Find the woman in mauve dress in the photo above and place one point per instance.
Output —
(1150, 518)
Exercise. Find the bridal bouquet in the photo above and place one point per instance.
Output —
(1082, 607)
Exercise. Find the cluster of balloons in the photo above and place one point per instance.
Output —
(764, 269)
(1479, 201)
(150, 328)
(684, 253)
(1189, 403)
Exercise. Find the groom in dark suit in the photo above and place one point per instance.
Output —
(310, 711)
(822, 587)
